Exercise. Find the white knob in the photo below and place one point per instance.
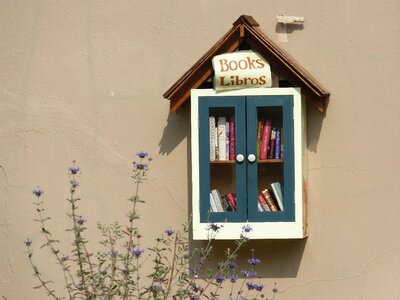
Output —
(239, 158)
(251, 158)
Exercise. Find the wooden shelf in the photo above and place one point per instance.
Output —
(264, 161)
(268, 161)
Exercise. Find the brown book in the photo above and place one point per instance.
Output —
(259, 136)
(270, 202)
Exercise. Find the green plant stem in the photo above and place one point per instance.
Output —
(56, 253)
(172, 266)
(130, 239)
(37, 275)
(223, 266)
(78, 241)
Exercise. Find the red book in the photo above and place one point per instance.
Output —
(232, 201)
(232, 138)
(272, 144)
(265, 139)
(263, 203)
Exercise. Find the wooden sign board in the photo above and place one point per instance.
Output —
(241, 69)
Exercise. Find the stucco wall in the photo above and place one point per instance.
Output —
(84, 80)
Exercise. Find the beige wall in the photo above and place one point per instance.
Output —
(84, 80)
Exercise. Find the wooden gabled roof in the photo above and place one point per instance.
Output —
(246, 29)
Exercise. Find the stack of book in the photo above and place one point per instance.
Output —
(220, 203)
(269, 140)
(222, 137)
(271, 201)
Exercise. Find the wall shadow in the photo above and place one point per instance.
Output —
(315, 119)
(176, 130)
(279, 258)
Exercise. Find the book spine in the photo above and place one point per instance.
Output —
(265, 139)
(227, 139)
(278, 144)
(216, 143)
(232, 201)
(221, 138)
(259, 136)
(212, 204)
(277, 191)
(227, 203)
(232, 138)
(259, 207)
(263, 203)
(272, 144)
(218, 200)
(212, 138)
(269, 200)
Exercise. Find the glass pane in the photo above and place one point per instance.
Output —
(270, 171)
(222, 159)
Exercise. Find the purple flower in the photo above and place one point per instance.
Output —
(155, 287)
(253, 261)
(81, 220)
(74, 169)
(196, 288)
(214, 227)
(113, 253)
(140, 166)
(219, 278)
(233, 278)
(258, 287)
(65, 258)
(38, 192)
(244, 237)
(248, 274)
(247, 228)
(195, 297)
(74, 184)
(169, 232)
(250, 286)
(232, 264)
(142, 154)
(28, 242)
(137, 252)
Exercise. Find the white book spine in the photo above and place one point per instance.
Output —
(277, 190)
(222, 138)
(212, 204)
(217, 198)
(212, 137)
(260, 207)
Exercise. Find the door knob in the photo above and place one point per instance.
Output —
(251, 158)
(239, 158)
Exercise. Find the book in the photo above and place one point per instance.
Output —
(218, 200)
(282, 143)
(270, 202)
(272, 144)
(265, 139)
(263, 203)
(231, 198)
(213, 206)
(226, 204)
(278, 144)
(259, 207)
(259, 135)
(216, 143)
(227, 139)
(277, 192)
(221, 138)
(232, 138)
(212, 137)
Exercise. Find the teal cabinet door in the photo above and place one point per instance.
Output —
(222, 137)
(246, 158)
(270, 177)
